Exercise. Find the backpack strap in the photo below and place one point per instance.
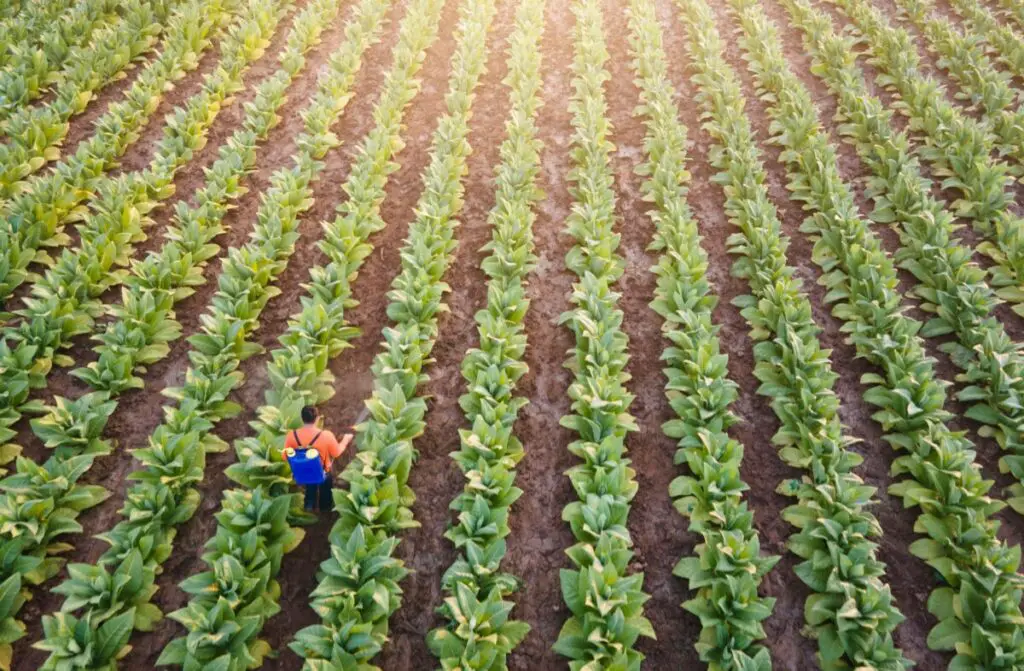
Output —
(298, 443)
(323, 461)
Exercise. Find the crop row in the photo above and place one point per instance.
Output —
(23, 366)
(1014, 9)
(35, 133)
(605, 600)
(956, 146)
(952, 287)
(120, 585)
(726, 569)
(23, 28)
(255, 523)
(36, 216)
(358, 586)
(35, 68)
(38, 503)
(66, 301)
(850, 611)
(981, 83)
(478, 632)
(166, 497)
(1003, 43)
(978, 606)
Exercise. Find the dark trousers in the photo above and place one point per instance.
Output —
(321, 492)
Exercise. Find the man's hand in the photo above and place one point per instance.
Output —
(345, 441)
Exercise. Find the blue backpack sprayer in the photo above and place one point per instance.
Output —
(307, 468)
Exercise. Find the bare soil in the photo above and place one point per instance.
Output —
(539, 536)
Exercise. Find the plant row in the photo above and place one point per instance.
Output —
(20, 30)
(35, 133)
(37, 67)
(605, 599)
(982, 84)
(978, 603)
(24, 365)
(952, 287)
(114, 594)
(726, 569)
(66, 301)
(144, 320)
(240, 592)
(1014, 9)
(358, 587)
(173, 462)
(38, 503)
(478, 632)
(956, 146)
(1003, 43)
(851, 610)
(35, 218)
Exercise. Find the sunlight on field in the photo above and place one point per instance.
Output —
(668, 333)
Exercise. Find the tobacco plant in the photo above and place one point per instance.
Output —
(37, 65)
(605, 599)
(35, 218)
(956, 146)
(165, 495)
(22, 27)
(478, 632)
(67, 299)
(1002, 43)
(73, 428)
(978, 603)
(727, 567)
(298, 375)
(982, 85)
(952, 287)
(36, 132)
(851, 610)
(1014, 9)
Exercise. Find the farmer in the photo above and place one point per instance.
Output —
(310, 435)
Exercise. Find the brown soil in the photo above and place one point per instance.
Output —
(659, 532)
(539, 536)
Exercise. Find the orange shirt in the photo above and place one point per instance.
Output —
(326, 444)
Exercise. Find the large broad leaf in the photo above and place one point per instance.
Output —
(947, 634)
(113, 636)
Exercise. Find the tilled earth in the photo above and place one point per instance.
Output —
(539, 536)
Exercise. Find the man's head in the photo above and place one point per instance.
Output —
(309, 414)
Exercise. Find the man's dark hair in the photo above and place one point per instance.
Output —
(309, 414)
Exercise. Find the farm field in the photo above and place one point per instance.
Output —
(673, 333)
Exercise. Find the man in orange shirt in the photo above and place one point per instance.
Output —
(324, 442)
